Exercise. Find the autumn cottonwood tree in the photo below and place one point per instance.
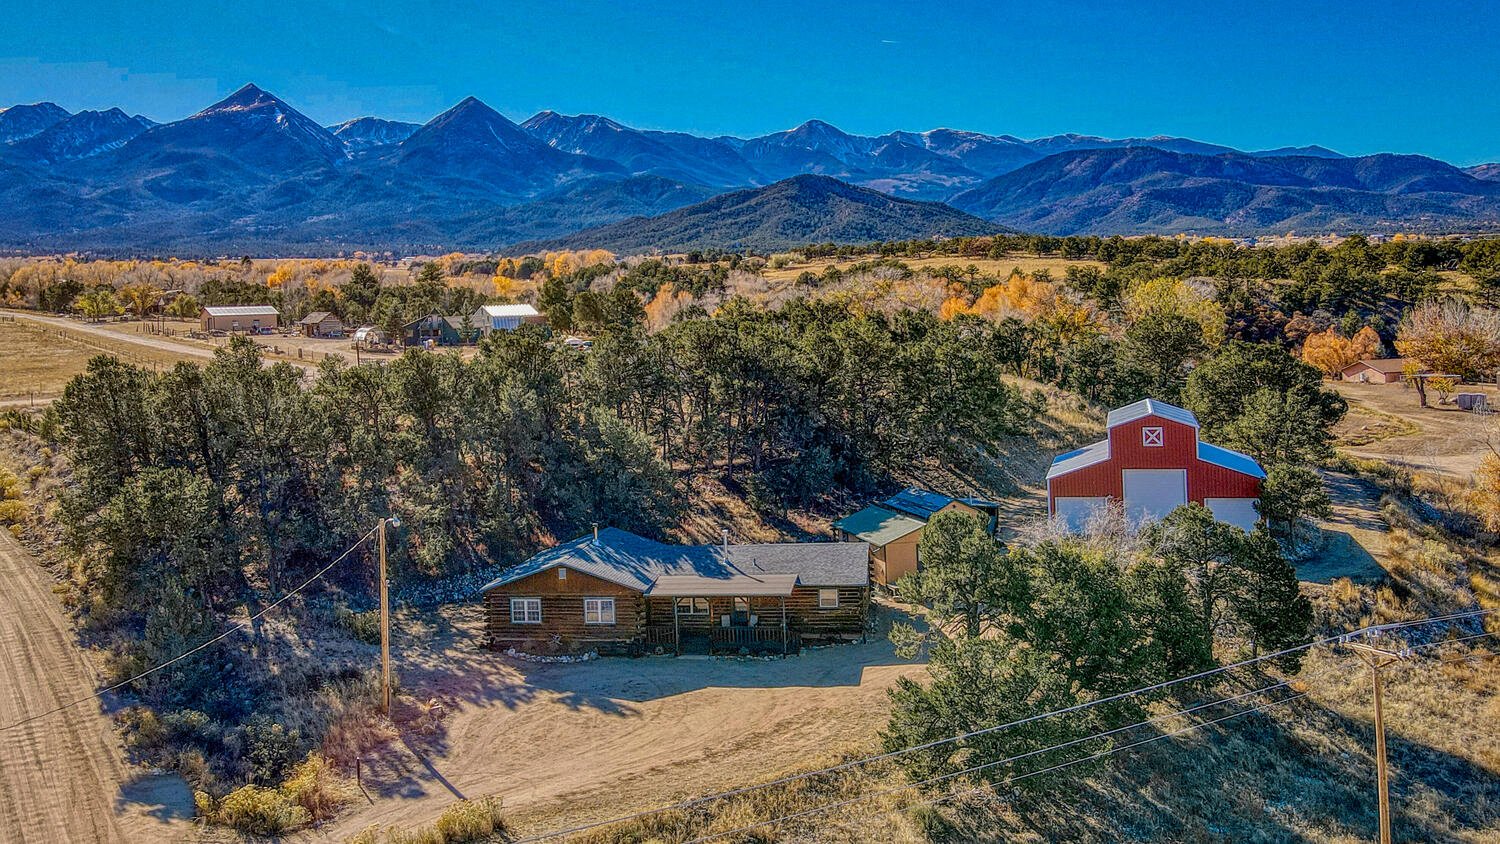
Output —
(1332, 353)
(140, 298)
(1450, 338)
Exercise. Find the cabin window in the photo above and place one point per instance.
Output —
(562, 574)
(692, 606)
(828, 599)
(1151, 437)
(598, 610)
(525, 610)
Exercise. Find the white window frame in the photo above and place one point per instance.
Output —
(597, 607)
(691, 604)
(823, 602)
(1153, 437)
(525, 606)
(562, 574)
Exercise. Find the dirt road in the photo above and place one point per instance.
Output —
(62, 778)
(566, 743)
(1385, 423)
(147, 340)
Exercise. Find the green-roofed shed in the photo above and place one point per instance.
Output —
(892, 537)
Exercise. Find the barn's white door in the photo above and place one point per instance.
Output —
(1151, 494)
(1074, 512)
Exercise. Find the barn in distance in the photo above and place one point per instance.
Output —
(1153, 462)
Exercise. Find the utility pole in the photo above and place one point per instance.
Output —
(385, 622)
(1377, 659)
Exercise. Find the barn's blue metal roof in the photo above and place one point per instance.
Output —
(1230, 459)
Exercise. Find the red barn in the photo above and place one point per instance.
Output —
(1154, 462)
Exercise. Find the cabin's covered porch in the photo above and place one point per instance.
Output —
(696, 614)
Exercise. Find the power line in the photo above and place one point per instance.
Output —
(951, 795)
(698, 801)
(1100, 755)
(235, 627)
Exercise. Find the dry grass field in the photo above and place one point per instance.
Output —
(39, 359)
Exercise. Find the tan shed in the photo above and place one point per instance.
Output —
(321, 324)
(236, 318)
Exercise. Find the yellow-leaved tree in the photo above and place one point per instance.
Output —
(1175, 297)
(1329, 351)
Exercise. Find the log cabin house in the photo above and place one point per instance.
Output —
(615, 592)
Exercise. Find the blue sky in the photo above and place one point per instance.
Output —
(1357, 77)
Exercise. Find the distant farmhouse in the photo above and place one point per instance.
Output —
(616, 592)
(1376, 371)
(440, 330)
(893, 528)
(238, 317)
(459, 329)
(1153, 462)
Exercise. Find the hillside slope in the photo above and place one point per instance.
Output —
(803, 209)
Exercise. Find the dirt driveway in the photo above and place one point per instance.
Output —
(567, 743)
(1386, 423)
(62, 778)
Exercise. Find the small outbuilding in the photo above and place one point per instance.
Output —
(614, 591)
(252, 318)
(371, 335)
(893, 528)
(321, 324)
(1153, 462)
(506, 317)
(1375, 371)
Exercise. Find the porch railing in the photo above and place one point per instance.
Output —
(770, 637)
(750, 636)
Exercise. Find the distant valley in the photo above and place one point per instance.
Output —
(252, 175)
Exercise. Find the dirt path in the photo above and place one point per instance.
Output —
(1354, 537)
(62, 778)
(566, 743)
(148, 340)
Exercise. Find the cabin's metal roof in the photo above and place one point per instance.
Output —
(877, 525)
(694, 586)
(924, 503)
(1150, 407)
(636, 562)
(1382, 365)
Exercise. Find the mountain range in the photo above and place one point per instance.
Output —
(251, 174)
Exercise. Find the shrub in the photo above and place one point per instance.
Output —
(270, 749)
(317, 788)
(364, 626)
(470, 820)
(254, 810)
(12, 512)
